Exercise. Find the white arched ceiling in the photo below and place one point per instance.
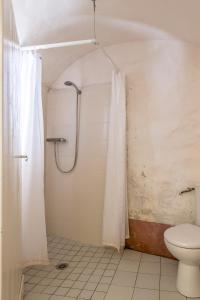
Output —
(50, 21)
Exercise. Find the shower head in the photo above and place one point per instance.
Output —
(70, 83)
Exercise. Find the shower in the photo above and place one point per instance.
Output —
(58, 140)
(70, 83)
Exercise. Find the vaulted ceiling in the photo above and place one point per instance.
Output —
(118, 21)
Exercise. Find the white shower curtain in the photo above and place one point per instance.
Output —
(115, 216)
(34, 240)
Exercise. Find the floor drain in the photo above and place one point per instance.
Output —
(61, 266)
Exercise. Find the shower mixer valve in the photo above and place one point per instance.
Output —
(56, 140)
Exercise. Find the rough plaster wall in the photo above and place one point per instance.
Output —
(163, 107)
(164, 134)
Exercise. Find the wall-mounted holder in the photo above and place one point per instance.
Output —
(187, 190)
(22, 157)
(56, 140)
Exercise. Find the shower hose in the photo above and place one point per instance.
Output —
(56, 144)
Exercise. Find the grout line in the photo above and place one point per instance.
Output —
(92, 274)
(137, 276)
(111, 280)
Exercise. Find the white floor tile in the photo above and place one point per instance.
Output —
(35, 280)
(79, 285)
(56, 282)
(169, 269)
(148, 281)
(61, 291)
(78, 270)
(128, 265)
(98, 273)
(67, 283)
(109, 273)
(150, 258)
(86, 295)
(95, 278)
(73, 276)
(112, 266)
(145, 294)
(123, 278)
(84, 278)
(50, 290)
(88, 272)
(62, 276)
(168, 283)
(74, 293)
(166, 260)
(164, 295)
(106, 280)
(38, 289)
(92, 266)
(149, 268)
(34, 296)
(131, 255)
(46, 281)
(60, 298)
(115, 261)
(42, 274)
(98, 296)
(31, 272)
(28, 286)
(90, 286)
(119, 293)
(102, 287)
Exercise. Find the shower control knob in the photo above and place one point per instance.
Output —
(56, 140)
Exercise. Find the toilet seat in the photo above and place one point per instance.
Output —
(184, 236)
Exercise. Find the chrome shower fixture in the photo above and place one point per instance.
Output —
(56, 140)
(70, 83)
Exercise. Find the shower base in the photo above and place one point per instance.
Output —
(100, 273)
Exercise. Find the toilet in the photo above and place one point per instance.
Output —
(183, 242)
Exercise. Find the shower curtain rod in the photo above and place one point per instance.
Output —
(59, 45)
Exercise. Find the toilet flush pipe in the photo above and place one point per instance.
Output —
(197, 201)
(187, 190)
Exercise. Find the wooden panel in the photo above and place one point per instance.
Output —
(148, 237)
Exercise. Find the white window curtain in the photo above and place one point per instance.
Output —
(115, 216)
(34, 240)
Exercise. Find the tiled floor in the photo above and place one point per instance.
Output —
(99, 273)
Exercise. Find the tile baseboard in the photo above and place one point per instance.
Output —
(148, 237)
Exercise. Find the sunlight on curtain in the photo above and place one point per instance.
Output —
(115, 216)
(34, 241)
(11, 206)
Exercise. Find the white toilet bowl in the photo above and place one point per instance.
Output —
(183, 241)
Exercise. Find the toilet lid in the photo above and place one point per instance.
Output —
(184, 236)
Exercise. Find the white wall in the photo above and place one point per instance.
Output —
(164, 134)
(163, 89)
(74, 201)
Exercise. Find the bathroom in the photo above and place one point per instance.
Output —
(101, 150)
